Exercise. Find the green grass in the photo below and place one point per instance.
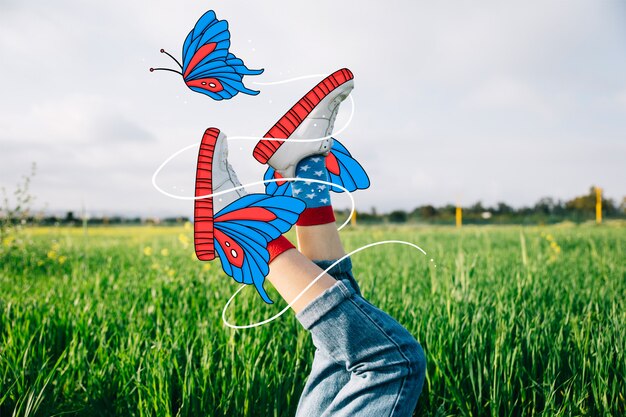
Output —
(514, 321)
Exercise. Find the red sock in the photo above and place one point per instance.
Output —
(316, 215)
(278, 246)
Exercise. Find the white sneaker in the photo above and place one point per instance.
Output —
(213, 174)
(313, 116)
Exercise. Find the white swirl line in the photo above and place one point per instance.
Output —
(249, 184)
(195, 145)
(289, 80)
(352, 209)
(284, 310)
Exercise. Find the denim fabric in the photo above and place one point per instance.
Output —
(366, 364)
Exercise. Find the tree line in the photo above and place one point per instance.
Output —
(546, 210)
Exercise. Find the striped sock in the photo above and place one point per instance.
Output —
(316, 196)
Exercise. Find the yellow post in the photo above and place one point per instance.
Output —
(459, 216)
(598, 205)
(353, 219)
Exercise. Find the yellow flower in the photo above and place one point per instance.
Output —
(206, 266)
(188, 226)
(165, 252)
(184, 240)
(170, 272)
(7, 241)
(56, 247)
(62, 259)
(193, 256)
(154, 266)
(52, 254)
(147, 251)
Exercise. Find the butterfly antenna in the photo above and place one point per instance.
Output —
(163, 51)
(165, 69)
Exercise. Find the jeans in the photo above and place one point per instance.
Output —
(366, 364)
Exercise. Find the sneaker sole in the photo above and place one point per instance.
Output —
(203, 208)
(287, 124)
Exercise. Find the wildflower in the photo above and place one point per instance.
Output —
(56, 247)
(206, 266)
(62, 259)
(165, 252)
(184, 240)
(52, 254)
(170, 272)
(7, 241)
(155, 265)
(147, 251)
(188, 226)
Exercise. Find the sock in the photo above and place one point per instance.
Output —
(278, 246)
(316, 196)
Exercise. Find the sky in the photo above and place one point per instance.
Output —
(454, 101)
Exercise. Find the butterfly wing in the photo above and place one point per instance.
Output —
(344, 170)
(276, 187)
(209, 40)
(240, 67)
(208, 67)
(245, 227)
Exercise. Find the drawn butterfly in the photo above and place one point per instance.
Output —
(238, 233)
(342, 168)
(207, 66)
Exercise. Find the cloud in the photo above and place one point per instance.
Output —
(505, 93)
(118, 128)
(494, 101)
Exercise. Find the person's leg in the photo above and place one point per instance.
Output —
(320, 242)
(366, 363)
(291, 273)
(325, 381)
(379, 363)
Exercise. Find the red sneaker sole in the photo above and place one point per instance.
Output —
(287, 124)
(203, 208)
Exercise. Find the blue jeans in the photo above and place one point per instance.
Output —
(366, 364)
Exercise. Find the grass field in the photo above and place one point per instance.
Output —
(514, 322)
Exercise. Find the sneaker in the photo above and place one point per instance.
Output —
(235, 226)
(213, 174)
(313, 116)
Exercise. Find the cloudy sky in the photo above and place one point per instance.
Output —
(454, 100)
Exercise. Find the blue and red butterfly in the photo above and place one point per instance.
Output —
(342, 168)
(207, 65)
(242, 231)
(239, 233)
